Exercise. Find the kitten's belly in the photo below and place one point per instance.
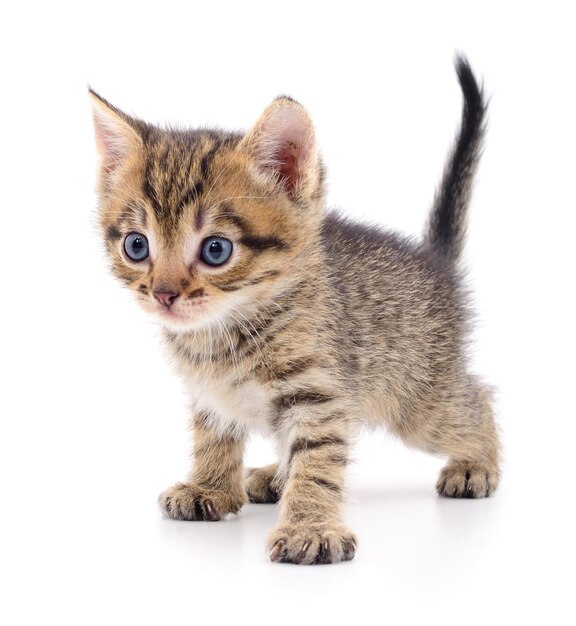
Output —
(244, 407)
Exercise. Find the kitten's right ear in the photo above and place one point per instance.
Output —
(116, 133)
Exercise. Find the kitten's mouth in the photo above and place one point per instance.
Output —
(191, 316)
(171, 315)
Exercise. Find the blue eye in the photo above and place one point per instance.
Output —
(136, 247)
(215, 250)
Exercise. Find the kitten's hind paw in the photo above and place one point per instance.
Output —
(260, 487)
(467, 480)
(311, 544)
(192, 503)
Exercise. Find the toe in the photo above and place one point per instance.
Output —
(467, 480)
(212, 513)
(277, 552)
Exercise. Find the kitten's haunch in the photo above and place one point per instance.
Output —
(293, 321)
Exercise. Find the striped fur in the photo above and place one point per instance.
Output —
(315, 326)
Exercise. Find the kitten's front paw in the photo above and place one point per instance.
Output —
(192, 503)
(311, 544)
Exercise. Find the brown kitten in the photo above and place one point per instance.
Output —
(292, 321)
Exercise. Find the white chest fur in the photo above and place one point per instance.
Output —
(243, 407)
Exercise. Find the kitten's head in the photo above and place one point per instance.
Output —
(204, 225)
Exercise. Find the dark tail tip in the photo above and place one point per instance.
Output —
(474, 104)
(447, 222)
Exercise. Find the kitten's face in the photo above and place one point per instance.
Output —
(205, 227)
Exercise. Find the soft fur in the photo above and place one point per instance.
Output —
(315, 326)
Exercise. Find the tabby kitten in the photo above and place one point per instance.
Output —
(288, 320)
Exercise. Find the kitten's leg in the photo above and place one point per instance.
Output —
(462, 427)
(310, 529)
(473, 467)
(261, 487)
(216, 483)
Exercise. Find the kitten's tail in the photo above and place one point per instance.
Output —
(447, 221)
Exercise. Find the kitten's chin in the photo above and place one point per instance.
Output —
(175, 320)
(178, 322)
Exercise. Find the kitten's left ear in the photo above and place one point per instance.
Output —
(116, 133)
(282, 146)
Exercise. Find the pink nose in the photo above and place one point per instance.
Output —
(166, 298)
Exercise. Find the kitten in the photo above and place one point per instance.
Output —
(292, 321)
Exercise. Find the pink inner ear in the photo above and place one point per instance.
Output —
(286, 158)
(290, 145)
(108, 147)
(112, 140)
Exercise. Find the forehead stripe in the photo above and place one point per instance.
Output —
(207, 159)
(192, 194)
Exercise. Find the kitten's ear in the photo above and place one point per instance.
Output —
(282, 146)
(116, 133)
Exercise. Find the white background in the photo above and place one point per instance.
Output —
(93, 419)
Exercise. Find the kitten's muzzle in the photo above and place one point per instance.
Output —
(166, 298)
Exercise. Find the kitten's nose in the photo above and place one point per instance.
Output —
(166, 298)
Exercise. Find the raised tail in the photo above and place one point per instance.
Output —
(447, 222)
